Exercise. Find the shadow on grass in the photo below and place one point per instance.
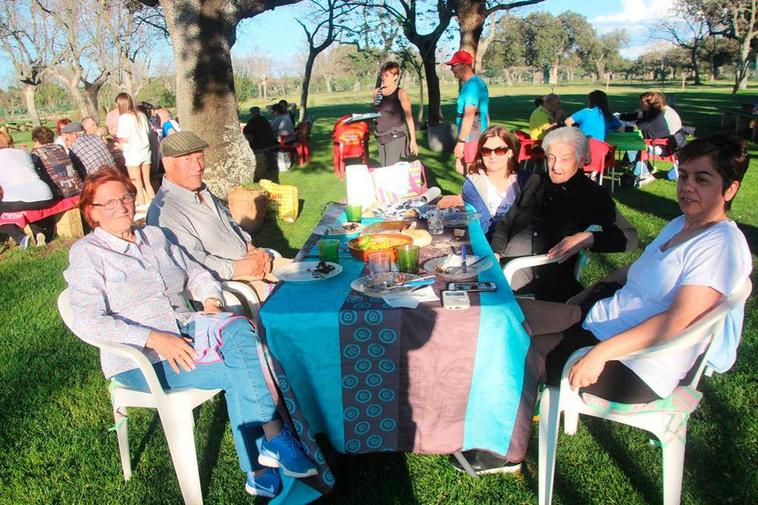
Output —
(373, 471)
(209, 457)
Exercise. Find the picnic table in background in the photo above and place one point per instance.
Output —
(626, 141)
(373, 378)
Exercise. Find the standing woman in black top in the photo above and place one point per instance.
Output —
(395, 130)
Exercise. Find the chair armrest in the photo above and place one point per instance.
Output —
(513, 266)
(140, 359)
(273, 252)
(244, 294)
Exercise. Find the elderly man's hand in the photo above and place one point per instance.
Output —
(177, 350)
(571, 244)
(254, 266)
(586, 371)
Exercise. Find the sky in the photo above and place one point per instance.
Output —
(277, 33)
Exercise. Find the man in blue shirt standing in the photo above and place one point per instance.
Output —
(472, 109)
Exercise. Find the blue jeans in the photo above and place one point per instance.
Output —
(240, 375)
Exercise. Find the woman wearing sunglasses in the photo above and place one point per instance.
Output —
(493, 181)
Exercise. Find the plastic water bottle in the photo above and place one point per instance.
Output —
(434, 222)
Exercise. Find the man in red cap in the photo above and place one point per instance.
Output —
(472, 115)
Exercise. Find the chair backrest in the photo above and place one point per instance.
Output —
(705, 328)
(64, 308)
(598, 156)
(522, 135)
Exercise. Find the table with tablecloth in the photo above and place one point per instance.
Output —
(376, 378)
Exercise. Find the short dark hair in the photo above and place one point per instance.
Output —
(43, 135)
(727, 153)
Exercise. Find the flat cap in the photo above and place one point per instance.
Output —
(181, 143)
(72, 128)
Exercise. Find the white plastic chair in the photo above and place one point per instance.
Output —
(174, 408)
(556, 400)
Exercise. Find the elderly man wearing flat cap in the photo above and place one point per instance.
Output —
(472, 112)
(193, 218)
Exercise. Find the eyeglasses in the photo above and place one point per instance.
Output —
(499, 151)
(111, 204)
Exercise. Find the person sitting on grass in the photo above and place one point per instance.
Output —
(695, 261)
(127, 285)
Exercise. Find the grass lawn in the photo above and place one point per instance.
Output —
(54, 416)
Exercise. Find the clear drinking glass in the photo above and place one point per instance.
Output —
(379, 267)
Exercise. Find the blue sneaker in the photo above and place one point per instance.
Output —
(285, 452)
(264, 484)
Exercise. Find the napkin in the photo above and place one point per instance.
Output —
(411, 299)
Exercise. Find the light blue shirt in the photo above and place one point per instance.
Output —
(474, 92)
(593, 124)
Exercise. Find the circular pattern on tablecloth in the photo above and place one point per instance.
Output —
(284, 384)
(388, 336)
(349, 381)
(348, 317)
(352, 413)
(363, 396)
(362, 306)
(319, 456)
(362, 366)
(374, 441)
(328, 477)
(374, 410)
(387, 366)
(354, 298)
(353, 445)
(374, 380)
(376, 350)
(373, 317)
(362, 427)
(386, 395)
(362, 334)
(352, 351)
(290, 404)
(298, 427)
(387, 424)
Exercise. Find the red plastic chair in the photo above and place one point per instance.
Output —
(349, 141)
(527, 145)
(301, 147)
(602, 158)
(664, 144)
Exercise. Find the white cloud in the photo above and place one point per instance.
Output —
(634, 12)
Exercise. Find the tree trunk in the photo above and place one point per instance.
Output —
(694, 63)
(742, 67)
(471, 17)
(306, 85)
(508, 77)
(420, 115)
(202, 38)
(433, 89)
(29, 91)
(90, 98)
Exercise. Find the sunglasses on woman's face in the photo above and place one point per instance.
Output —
(499, 151)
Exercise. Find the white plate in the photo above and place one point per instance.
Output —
(432, 264)
(302, 271)
(337, 229)
(363, 285)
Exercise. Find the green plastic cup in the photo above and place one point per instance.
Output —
(353, 213)
(328, 250)
(407, 258)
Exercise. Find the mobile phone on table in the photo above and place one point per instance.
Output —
(455, 300)
(472, 286)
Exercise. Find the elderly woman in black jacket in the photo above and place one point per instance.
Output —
(552, 215)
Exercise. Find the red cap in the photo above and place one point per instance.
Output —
(461, 57)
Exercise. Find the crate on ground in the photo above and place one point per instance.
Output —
(70, 224)
(283, 199)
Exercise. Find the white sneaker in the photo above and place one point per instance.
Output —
(24, 244)
(647, 180)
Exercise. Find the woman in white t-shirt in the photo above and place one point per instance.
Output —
(698, 258)
(134, 139)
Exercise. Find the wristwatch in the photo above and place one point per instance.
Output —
(217, 302)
